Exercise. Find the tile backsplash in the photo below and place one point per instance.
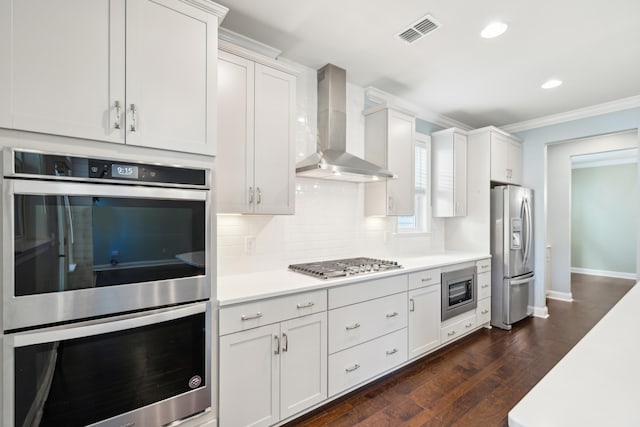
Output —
(329, 219)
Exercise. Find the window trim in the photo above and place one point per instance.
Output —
(421, 141)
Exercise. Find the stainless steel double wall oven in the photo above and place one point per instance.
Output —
(106, 283)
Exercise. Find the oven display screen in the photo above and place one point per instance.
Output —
(124, 171)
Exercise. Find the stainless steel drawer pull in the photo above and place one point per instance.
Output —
(390, 352)
(354, 326)
(451, 333)
(390, 315)
(306, 304)
(468, 325)
(484, 286)
(353, 368)
(427, 279)
(254, 316)
(484, 312)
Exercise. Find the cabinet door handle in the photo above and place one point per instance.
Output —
(118, 115)
(277, 340)
(250, 195)
(390, 203)
(390, 315)
(427, 279)
(484, 311)
(354, 326)
(306, 304)
(451, 333)
(285, 342)
(484, 286)
(252, 316)
(390, 352)
(413, 304)
(134, 124)
(352, 368)
(258, 195)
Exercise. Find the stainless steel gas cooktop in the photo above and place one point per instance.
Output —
(344, 267)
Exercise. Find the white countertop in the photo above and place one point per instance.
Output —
(597, 383)
(239, 288)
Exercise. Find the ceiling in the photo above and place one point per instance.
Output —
(593, 46)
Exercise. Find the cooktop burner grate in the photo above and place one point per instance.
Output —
(344, 267)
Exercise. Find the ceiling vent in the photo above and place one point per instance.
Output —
(418, 29)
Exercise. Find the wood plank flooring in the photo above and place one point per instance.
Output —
(477, 380)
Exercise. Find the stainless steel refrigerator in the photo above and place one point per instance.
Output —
(512, 254)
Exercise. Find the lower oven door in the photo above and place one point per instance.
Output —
(75, 250)
(146, 369)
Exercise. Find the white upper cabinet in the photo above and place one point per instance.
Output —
(139, 72)
(390, 143)
(449, 173)
(506, 159)
(256, 134)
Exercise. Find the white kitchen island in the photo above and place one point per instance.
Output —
(597, 383)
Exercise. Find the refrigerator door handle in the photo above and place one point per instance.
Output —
(527, 245)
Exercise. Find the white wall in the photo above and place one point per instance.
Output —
(558, 233)
(329, 219)
(535, 168)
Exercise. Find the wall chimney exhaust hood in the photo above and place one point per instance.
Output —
(332, 160)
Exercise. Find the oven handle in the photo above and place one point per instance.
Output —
(91, 328)
(18, 186)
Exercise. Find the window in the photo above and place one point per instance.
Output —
(419, 222)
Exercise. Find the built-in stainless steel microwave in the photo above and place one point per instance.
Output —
(459, 292)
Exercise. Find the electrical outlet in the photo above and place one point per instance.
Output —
(249, 244)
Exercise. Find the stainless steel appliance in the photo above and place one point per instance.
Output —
(344, 267)
(459, 291)
(144, 369)
(106, 280)
(87, 242)
(512, 254)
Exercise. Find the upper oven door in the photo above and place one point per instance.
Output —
(76, 250)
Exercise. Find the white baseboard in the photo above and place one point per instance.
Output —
(561, 296)
(541, 312)
(605, 273)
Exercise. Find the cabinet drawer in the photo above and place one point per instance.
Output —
(484, 285)
(358, 364)
(355, 324)
(368, 290)
(458, 329)
(424, 278)
(483, 265)
(263, 312)
(483, 311)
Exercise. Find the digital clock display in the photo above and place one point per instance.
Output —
(124, 171)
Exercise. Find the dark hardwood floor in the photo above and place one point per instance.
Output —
(477, 380)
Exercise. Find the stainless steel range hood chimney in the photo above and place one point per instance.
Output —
(332, 160)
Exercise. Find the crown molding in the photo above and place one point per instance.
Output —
(580, 113)
(210, 7)
(238, 40)
(278, 64)
(384, 98)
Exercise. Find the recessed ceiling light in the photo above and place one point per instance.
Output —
(550, 84)
(494, 30)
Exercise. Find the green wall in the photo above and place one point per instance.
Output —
(604, 218)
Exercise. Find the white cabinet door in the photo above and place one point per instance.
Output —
(171, 76)
(249, 377)
(62, 67)
(460, 175)
(506, 159)
(424, 320)
(449, 164)
(235, 134)
(401, 148)
(303, 363)
(275, 101)
(515, 162)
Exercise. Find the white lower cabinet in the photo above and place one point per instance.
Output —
(458, 326)
(272, 372)
(483, 312)
(424, 319)
(359, 364)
